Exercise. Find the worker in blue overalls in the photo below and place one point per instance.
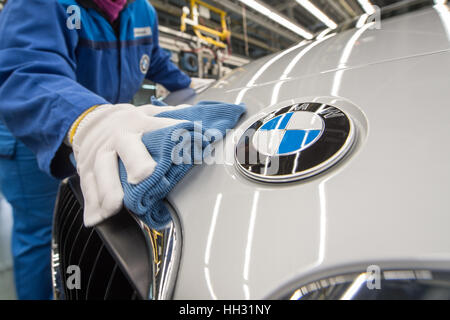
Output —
(67, 71)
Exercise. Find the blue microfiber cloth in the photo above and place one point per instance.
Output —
(146, 199)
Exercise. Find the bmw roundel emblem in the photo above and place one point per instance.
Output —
(144, 64)
(295, 142)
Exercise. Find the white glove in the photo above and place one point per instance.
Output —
(101, 136)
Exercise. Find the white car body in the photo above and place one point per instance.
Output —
(386, 204)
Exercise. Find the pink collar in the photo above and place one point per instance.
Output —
(111, 8)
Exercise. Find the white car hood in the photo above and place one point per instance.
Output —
(388, 203)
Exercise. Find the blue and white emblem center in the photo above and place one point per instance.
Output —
(288, 133)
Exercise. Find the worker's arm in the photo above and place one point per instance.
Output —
(39, 95)
(162, 70)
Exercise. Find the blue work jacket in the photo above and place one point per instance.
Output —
(60, 57)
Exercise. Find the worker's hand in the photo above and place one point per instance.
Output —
(99, 138)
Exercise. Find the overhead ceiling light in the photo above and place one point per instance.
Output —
(264, 10)
(367, 6)
(317, 13)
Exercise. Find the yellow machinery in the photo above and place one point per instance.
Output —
(204, 32)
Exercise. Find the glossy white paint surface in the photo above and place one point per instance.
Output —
(388, 203)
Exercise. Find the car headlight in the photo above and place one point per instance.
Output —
(376, 285)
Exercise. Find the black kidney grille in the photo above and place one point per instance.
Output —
(101, 276)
